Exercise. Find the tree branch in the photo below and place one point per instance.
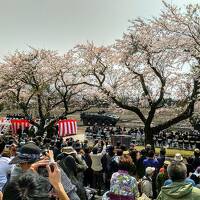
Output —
(131, 108)
(184, 115)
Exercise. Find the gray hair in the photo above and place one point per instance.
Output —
(177, 171)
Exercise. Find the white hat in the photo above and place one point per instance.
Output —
(178, 157)
(68, 150)
(150, 170)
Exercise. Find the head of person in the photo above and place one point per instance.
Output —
(118, 144)
(178, 157)
(119, 152)
(197, 172)
(189, 160)
(148, 147)
(196, 152)
(28, 154)
(125, 162)
(149, 171)
(77, 149)
(151, 154)
(132, 145)
(123, 148)
(30, 186)
(2, 145)
(177, 171)
(69, 151)
(162, 151)
(6, 151)
(143, 153)
(166, 164)
(69, 143)
(110, 149)
(85, 142)
(95, 150)
(87, 150)
(133, 154)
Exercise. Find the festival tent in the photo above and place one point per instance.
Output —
(17, 123)
(67, 127)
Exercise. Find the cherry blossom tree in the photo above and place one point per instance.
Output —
(144, 68)
(42, 81)
(26, 78)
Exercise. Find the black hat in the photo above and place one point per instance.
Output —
(29, 153)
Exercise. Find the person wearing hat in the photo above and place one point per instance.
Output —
(162, 176)
(29, 159)
(27, 155)
(146, 183)
(65, 151)
(33, 186)
(69, 166)
(179, 188)
(73, 167)
(179, 159)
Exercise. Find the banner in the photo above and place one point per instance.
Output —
(17, 123)
(67, 127)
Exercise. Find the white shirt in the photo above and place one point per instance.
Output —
(96, 160)
(5, 169)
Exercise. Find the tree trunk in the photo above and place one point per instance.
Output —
(148, 136)
(41, 130)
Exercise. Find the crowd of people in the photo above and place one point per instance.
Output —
(45, 168)
(182, 139)
(106, 132)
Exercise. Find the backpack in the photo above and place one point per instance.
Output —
(143, 197)
(140, 183)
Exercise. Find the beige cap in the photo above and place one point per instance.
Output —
(68, 150)
(196, 150)
(150, 170)
(178, 157)
(167, 162)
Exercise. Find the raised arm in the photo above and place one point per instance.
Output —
(55, 180)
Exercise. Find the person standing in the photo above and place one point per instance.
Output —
(178, 189)
(5, 168)
(146, 183)
(123, 186)
(97, 167)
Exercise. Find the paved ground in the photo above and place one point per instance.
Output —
(80, 135)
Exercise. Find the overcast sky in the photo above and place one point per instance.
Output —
(61, 24)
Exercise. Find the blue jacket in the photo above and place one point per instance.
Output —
(187, 180)
(149, 162)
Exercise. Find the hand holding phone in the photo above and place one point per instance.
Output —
(54, 174)
(39, 164)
